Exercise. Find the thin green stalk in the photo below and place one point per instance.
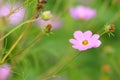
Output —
(103, 33)
(115, 17)
(19, 38)
(66, 8)
(58, 67)
(56, 5)
(2, 41)
(36, 39)
(14, 45)
(17, 27)
(115, 66)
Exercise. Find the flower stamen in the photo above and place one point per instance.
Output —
(85, 42)
(82, 17)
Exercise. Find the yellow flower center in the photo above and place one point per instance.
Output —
(85, 42)
(82, 17)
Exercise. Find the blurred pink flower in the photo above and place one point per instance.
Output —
(4, 71)
(82, 13)
(54, 21)
(16, 17)
(0, 1)
(86, 40)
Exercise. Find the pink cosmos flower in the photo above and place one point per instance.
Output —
(82, 13)
(16, 17)
(84, 41)
(4, 71)
(54, 22)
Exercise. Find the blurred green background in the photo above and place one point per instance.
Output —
(102, 63)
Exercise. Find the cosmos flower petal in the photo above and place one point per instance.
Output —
(73, 14)
(75, 46)
(0, 1)
(95, 37)
(91, 14)
(82, 48)
(17, 17)
(4, 10)
(87, 34)
(80, 11)
(78, 35)
(97, 43)
(73, 41)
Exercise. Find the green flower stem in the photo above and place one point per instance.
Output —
(103, 33)
(19, 38)
(115, 17)
(17, 27)
(36, 39)
(59, 66)
(14, 45)
(56, 5)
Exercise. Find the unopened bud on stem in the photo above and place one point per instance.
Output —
(46, 15)
(109, 29)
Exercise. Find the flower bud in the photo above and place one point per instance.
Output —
(46, 15)
(110, 28)
(47, 29)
